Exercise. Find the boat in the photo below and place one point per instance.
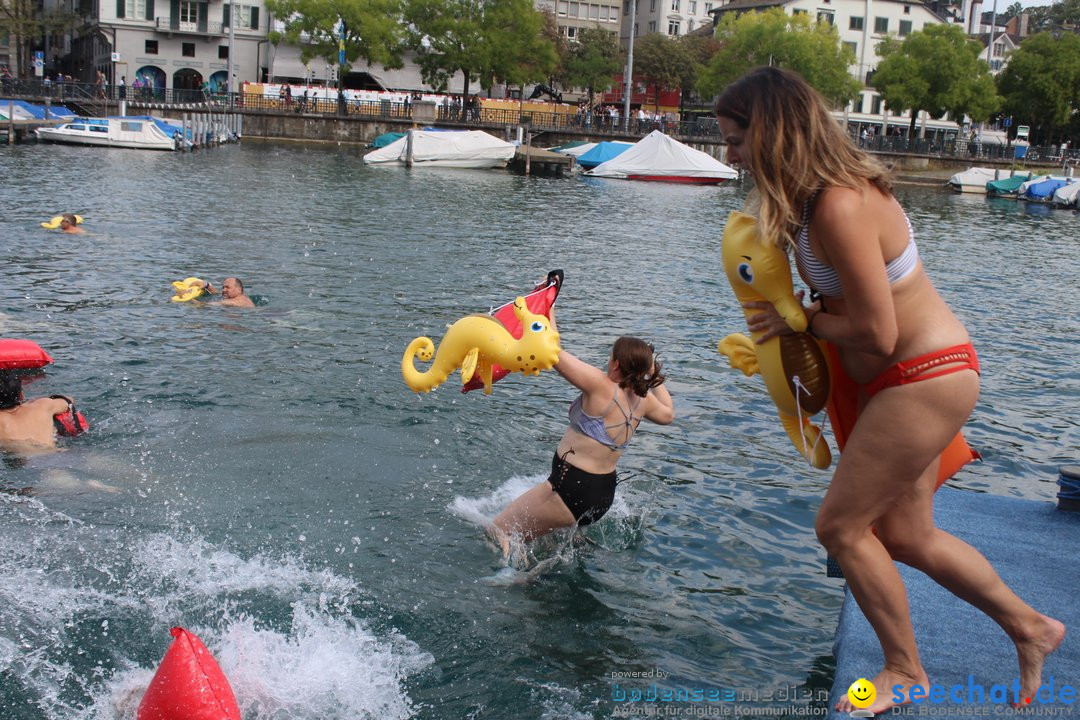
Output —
(1009, 187)
(1042, 191)
(659, 158)
(22, 110)
(143, 132)
(445, 148)
(973, 180)
(1066, 196)
(601, 152)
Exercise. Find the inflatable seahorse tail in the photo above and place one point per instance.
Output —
(800, 431)
(423, 348)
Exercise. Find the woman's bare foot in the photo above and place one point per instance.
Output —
(884, 684)
(1031, 651)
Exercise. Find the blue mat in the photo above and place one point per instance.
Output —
(1035, 548)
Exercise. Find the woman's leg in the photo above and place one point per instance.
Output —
(909, 535)
(892, 451)
(535, 512)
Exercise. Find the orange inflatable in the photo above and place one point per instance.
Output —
(188, 685)
(843, 411)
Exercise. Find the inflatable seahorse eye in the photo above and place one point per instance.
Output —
(793, 366)
(476, 343)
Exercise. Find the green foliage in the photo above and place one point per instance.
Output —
(793, 42)
(660, 62)
(1063, 14)
(1041, 83)
(594, 60)
(486, 40)
(936, 69)
(373, 30)
(699, 50)
(23, 23)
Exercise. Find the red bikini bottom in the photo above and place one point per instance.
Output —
(957, 358)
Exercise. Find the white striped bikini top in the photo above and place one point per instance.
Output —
(823, 278)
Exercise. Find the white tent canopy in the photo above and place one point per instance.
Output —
(659, 156)
(449, 148)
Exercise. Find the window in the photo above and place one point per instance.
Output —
(825, 17)
(98, 129)
(690, 25)
(708, 8)
(613, 14)
(626, 7)
(652, 26)
(905, 28)
(189, 15)
(995, 65)
(594, 12)
(131, 126)
(573, 9)
(151, 47)
(855, 23)
(571, 32)
(881, 25)
(673, 27)
(652, 5)
(223, 52)
(999, 49)
(675, 5)
(853, 46)
(797, 11)
(562, 8)
(875, 105)
(187, 49)
(692, 7)
(907, 9)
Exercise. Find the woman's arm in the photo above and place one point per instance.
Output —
(577, 372)
(661, 408)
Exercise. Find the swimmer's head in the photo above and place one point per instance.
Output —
(10, 390)
(232, 287)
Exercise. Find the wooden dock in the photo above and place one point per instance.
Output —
(12, 131)
(534, 161)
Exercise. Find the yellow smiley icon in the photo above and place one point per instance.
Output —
(862, 693)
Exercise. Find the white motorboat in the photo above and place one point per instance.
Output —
(143, 132)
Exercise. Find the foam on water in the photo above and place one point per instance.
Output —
(64, 590)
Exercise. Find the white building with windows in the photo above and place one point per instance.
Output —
(671, 17)
(177, 45)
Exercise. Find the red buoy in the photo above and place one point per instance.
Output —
(188, 685)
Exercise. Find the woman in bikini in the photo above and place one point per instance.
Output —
(603, 420)
(917, 370)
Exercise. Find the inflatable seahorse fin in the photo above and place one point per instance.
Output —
(740, 352)
(188, 685)
(468, 365)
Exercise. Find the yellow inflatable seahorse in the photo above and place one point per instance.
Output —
(476, 342)
(794, 367)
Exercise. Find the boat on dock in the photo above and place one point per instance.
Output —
(141, 132)
(1009, 187)
(1066, 196)
(1043, 191)
(445, 148)
(973, 180)
(659, 158)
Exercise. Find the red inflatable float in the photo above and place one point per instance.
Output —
(188, 685)
(22, 355)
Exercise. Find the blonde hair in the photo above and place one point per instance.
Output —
(794, 148)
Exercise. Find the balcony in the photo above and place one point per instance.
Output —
(206, 29)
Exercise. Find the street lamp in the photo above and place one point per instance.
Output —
(629, 67)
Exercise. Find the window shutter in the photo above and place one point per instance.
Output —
(149, 9)
(120, 6)
(204, 12)
(225, 18)
(174, 14)
(254, 18)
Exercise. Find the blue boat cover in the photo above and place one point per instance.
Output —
(38, 111)
(603, 152)
(1045, 190)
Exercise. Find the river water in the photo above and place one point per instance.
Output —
(265, 479)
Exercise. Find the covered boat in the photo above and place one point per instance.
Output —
(142, 132)
(1043, 191)
(446, 148)
(602, 152)
(1066, 196)
(659, 158)
(973, 180)
(22, 110)
(1009, 187)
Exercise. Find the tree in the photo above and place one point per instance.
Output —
(700, 49)
(660, 62)
(594, 61)
(1010, 12)
(789, 41)
(24, 24)
(484, 40)
(936, 69)
(373, 29)
(1041, 83)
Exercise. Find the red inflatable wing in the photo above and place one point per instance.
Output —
(843, 411)
(538, 301)
(22, 355)
(188, 685)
